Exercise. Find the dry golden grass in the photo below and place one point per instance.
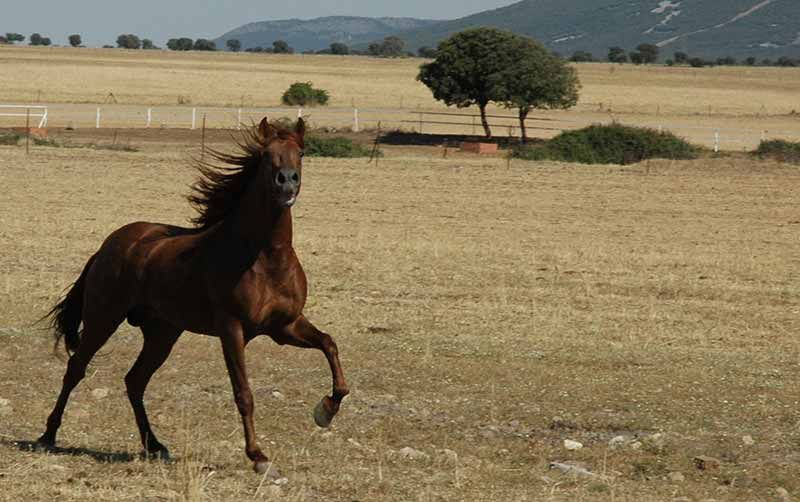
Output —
(487, 311)
(64, 75)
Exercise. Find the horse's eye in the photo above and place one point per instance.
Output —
(302, 154)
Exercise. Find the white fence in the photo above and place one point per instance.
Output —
(715, 132)
(26, 111)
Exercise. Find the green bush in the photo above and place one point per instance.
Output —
(11, 138)
(609, 144)
(334, 147)
(304, 94)
(780, 150)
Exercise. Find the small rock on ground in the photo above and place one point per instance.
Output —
(783, 494)
(676, 477)
(617, 442)
(706, 463)
(100, 393)
(748, 440)
(572, 445)
(412, 454)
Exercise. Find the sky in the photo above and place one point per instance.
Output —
(100, 21)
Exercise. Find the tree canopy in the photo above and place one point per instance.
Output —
(75, 40)
(234, 45)
(129, 41)
(483, 65)
(180, 44)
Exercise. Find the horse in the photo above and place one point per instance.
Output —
(233, 275)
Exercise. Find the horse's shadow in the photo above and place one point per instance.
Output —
(99, 456)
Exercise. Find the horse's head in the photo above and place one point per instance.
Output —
(282, 164)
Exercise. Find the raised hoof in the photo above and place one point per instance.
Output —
(322, 416)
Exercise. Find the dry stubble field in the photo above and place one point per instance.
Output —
(484, 315)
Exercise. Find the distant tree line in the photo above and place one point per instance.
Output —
(648, 54)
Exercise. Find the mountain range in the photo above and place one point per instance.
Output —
(706, 28)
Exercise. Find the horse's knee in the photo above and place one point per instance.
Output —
(244, 402)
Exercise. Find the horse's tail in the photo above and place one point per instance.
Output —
(65, 317)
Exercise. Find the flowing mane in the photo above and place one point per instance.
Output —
(217, 192)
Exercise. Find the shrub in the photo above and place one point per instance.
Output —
(334, 147)
(12, 138)
(780, 150)
(609, 144)
(304, 94)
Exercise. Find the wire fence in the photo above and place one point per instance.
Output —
(701, 131)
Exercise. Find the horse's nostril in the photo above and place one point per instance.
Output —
(281, 179)
(295, 177)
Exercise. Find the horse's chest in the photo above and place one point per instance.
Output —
(272, 299)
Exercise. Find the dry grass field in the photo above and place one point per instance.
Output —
(484, 315)
(680, 99)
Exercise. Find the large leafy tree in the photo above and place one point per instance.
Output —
(536, 79)
(14, 37)
(234, 45)
(180, 44)
(75, 40)
(466, 67)
(129, 41)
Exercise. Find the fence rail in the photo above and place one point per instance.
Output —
(702, 131)
(27, 111)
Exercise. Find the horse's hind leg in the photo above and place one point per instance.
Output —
(159, 338)
(94, 336)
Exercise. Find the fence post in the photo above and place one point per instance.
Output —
(764, 135)
(299, 113)
(355, 119)
(149, 116)
(239, 119)
(97, 119)
(194, 118)
(716, 141)
(28, 131)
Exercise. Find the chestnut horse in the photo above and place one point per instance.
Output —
(234, 276)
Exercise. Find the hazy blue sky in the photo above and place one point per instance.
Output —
(100, 21)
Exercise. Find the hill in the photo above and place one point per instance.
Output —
(709, 28)
(319, 33)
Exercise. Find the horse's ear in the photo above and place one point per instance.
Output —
(300, 128)
(265, 129)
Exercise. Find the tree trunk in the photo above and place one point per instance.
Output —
(485, 122)
(523, 114)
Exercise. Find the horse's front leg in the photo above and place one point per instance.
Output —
(302, 333)
(231, 334)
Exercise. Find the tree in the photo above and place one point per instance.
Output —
(465, 70)
(281, 47)
(750, 61)
(426, 52)
(581, 57)
(697, 62)
(340, 49)
(726, 61)
(180, 44)
(148, 44)
(537, 79)
(649, 52)
(304, 94)
(128, 41)
(202, 44)
(35, 39)
(233, 45)
(617, 55)
(681, 57)
(3, 40)
(75, 40)
(786, 61)
(637, 57)
(14, 37)
(391, 47)
(46, 41)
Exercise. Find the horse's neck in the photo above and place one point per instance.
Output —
(261, 224)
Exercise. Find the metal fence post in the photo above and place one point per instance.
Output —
(355, 119)
(149, 116)
(194, 118)
(97, 119)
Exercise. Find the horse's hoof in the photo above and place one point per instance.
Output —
(322, 417)
(265, 468)
(44, 443)
(161, 454)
